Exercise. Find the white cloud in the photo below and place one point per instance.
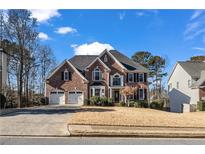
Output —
(44, 15)
(122, 15)
(43, 36)
(196, 14)
(65, 30)
(195, 26)
(94, 48)
(198, 48)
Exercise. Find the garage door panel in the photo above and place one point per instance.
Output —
(57, 98)
(75, 98)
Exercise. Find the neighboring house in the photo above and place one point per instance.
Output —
(186, 85)
(84, 76)
(3, 69)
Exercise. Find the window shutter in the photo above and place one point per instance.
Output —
(145, 94)
(127, 77)
(137, 94)
(145, 77)
(134, 77)
(137, 77)
(62, 75)
(70, 75)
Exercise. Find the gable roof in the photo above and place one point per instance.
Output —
(100, 62)
(69, 63)
(82, 61)
(194, 69)
(128, 63)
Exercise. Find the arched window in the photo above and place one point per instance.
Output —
(97, 74)
(116, 80)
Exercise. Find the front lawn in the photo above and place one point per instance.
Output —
(124, 116)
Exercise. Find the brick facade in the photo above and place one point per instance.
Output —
(76, 83)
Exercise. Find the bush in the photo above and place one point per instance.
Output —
(94, 100)
(3, 100)
(201, 105)
(157, 104)
(141, 104)
(122, 103)
(86, 102)
(110, 102)
(131, 103)
(44, 100)
(104, 101)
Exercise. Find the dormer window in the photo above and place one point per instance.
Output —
(97, 74)
(105, 58)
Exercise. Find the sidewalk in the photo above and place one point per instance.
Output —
(123, 131)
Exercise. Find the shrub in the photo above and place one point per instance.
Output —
(3, 100)
(131, 103)
(157, 104)
(44, 100)
(110, 102)
(103, 101)
(86, 102)
(141, 104)
(95, 100)
(201, 105)
(122, 103)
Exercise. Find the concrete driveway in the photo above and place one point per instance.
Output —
(40, 121)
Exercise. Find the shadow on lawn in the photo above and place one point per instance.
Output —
(54, 111)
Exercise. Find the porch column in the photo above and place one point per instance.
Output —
(93, 91)
(110, 93)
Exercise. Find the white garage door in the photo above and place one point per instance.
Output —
(57, 97)
(75, 98)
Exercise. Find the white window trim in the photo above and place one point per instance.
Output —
(66, 71)
(97, 87)
(132, 77)
(105, 59)
(142, 77)
(100, 74)
(142, 93)
(121, 79)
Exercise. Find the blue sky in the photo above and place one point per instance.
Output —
(174, 34)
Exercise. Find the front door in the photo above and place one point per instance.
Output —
(116, 96)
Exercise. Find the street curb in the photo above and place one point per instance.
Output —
(4, 112)
(134, 126)
(88, 131)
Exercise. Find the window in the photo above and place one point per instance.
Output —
(66, 76)
(116, 80)
(141, 77)
(177, 85)
(97, 74)
(130, 77)
(97, 91)
(189, 83)
(141, 94)
(105, 58)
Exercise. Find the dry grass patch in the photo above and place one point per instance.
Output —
(124, 116)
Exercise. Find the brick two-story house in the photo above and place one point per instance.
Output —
(84, 76)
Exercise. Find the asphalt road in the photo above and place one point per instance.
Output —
(97, 141)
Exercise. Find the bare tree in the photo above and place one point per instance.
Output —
(21, 29)
(46, 62)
